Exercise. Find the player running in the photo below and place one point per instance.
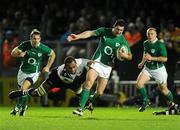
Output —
(110, 40)
(155, 55)
(31, 53)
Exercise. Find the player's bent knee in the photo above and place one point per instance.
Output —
(88, 84)
(139, 85)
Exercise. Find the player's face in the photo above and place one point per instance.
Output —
(151, 35)
(117, 30)
(71, 68)
(35, 40)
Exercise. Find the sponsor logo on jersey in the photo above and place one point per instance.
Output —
(31, 61)
(108, 50)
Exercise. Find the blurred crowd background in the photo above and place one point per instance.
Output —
(57, 19)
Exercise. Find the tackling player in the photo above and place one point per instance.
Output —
(70, 75)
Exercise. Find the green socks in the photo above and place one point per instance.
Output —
(22, 102)
(170, 97)
(143, 92)
(84, 98)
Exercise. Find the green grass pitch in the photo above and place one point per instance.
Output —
(110, 118)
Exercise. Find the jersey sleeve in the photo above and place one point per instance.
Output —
(99, 31)
(163, 51)
(22, 46)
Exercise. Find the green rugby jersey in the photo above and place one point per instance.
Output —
(155, 50)
(31, 63)
(108, 45)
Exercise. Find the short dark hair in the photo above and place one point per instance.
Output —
(35, 31)
(119, 22)
(69, 60)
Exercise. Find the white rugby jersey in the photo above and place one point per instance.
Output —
(69, 78)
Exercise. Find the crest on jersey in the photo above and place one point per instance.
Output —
(117, 44)
(39, 54)
(152, 50)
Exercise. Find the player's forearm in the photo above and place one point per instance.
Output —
(51, 59)
(85, 35)
(143, 60)
(17, 53)
(160, 59)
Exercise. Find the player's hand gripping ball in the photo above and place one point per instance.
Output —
(123, 49)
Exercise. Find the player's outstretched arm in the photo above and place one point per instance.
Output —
(83, 35)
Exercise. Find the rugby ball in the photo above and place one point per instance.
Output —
(123, 49)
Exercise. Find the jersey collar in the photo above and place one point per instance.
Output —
(154, 40)
(37, 45)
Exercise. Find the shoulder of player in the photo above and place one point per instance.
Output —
(160, 42)
(103, 29)
(79, 60)
(146, 42)
(43, 46)
(121, 36)
(26, 42)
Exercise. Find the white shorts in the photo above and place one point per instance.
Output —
(159, 75)
(22, 76)
(103, 70)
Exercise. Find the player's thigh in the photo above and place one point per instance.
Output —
(90, 78)
(142, 79)
(101, 85)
